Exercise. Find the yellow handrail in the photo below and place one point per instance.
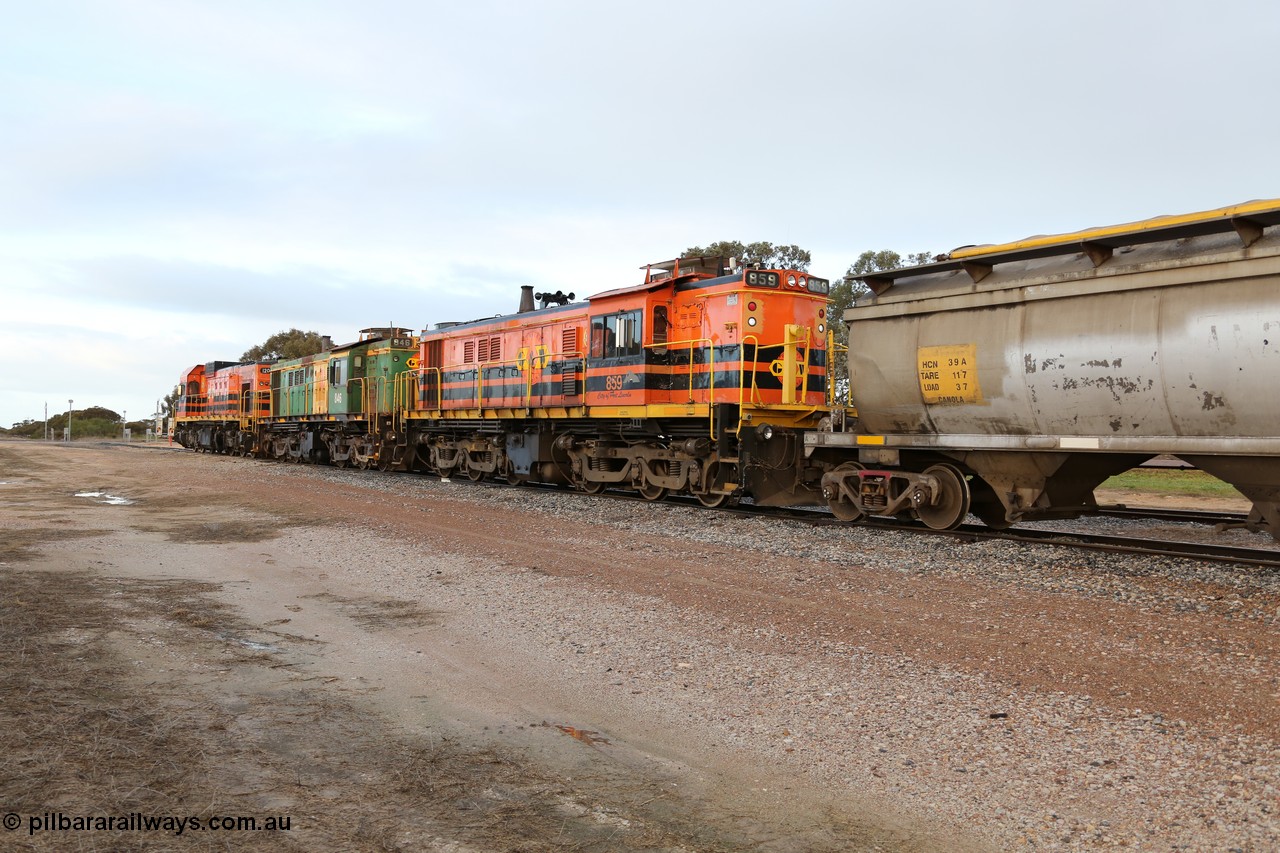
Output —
(711, 373)
(742, 371)
(808, 354)
(481, 366)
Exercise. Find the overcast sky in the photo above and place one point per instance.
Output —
(179, 180)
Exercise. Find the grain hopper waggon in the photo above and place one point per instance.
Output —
(1012, 380)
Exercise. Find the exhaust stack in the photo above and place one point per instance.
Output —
(526, 299)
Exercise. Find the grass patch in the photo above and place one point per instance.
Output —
(1171, 482)
(21, 543)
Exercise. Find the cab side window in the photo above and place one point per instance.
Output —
(661, 328)
(338, 371)
(597, 337)
(616, 336)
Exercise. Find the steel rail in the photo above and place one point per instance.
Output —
(1191, 516)
(1263, 557)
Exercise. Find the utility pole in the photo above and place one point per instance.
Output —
(46, 420)
(124, 425)
(70, 403)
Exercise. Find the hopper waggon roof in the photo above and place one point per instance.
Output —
(1247, 220)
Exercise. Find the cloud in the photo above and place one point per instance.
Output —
(182, 178)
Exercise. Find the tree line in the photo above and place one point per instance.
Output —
(843, 290)
(90, 422)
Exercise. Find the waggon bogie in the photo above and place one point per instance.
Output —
(939, 495)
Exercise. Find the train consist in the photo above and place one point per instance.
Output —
(701, 380)
(1008, 381)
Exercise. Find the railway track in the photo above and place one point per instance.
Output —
(1265, 557)
(1262, 557)
(1190, 516)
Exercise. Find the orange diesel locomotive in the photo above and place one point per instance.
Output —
(220, 401)
(700, 380)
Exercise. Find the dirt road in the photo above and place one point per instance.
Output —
(392, 663)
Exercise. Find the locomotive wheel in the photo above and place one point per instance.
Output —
(712, 500)
(650, 492)
(591, 487)
(953, 499)
(475, 475)
(841, 508)
(708, 498)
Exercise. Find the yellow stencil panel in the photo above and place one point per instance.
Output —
(949, 374)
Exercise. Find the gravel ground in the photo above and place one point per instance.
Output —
(969, 745)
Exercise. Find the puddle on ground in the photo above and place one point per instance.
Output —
(104, 498)
(250, 644)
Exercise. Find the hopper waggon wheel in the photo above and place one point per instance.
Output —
(952, 501)
(987, 506)
(650, 492)
(842, 508)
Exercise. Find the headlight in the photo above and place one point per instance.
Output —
(751, 321)
(791, 281)
(822, 329)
